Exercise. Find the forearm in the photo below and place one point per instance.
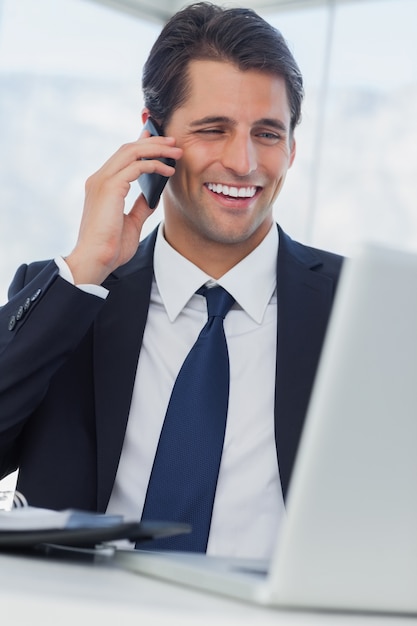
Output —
(37, 346)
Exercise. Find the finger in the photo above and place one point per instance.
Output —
(148, 166)
(139, 212)
(138, 152)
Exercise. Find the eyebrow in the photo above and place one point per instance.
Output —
(222, 119)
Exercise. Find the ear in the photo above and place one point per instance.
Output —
(145, 115)
(293, 150)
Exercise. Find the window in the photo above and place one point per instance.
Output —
(70, 95)
(70, 74)
(355, 174)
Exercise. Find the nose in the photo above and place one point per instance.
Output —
(239, 154)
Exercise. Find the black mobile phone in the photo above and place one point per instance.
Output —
(153, 184)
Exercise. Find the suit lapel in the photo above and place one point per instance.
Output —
(304, 304)
(118, 337)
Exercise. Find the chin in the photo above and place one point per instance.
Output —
(230, 236)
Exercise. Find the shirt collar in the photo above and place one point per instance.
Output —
(251, 282)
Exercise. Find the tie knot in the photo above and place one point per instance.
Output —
(218, 299)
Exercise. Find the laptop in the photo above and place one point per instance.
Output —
(350, 538)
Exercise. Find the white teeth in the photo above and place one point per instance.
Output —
(234, 192)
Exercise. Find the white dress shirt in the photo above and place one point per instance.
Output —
(248, 508)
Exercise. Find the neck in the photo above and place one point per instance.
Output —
(212, 257)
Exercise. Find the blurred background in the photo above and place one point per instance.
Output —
(70, 95)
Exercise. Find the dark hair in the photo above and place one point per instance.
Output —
(207, 31)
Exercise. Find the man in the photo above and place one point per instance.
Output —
(91, 346)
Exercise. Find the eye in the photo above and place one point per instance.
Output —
(268, 136)
(210, 131)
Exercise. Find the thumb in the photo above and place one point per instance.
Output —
(139, 212)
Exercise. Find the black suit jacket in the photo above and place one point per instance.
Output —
(65, 388)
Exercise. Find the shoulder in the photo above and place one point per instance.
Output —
(315, 259)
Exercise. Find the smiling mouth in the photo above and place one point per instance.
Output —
(232, 191)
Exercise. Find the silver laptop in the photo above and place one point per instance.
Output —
(350, 538)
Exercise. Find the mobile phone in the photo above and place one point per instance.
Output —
(152, 185)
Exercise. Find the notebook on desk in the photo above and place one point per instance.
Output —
(350, 539)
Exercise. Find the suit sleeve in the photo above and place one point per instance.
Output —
(42, 323)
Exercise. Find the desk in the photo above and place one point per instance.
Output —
(40, 590)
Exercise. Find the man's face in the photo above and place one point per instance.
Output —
(234, 130)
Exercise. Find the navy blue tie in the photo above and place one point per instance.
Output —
(186, 466)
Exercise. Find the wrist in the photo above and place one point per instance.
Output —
(84, 270)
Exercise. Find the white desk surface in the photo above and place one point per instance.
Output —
(40, 590)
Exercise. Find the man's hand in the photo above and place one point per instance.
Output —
(108, 237)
